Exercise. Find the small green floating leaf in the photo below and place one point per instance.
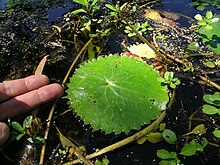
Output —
(208, 15)
(199, 129)
(169, 158)
(209, 64)
(194, 46)
(155, 137)
(198, 17)
(210, 110)
(189, 149)
(216, 133)
(163, 154)
(116, 94)
(213, 99)
(169, 136)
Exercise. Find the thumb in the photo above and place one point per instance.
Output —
(4, 133)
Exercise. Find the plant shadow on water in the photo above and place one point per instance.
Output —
(185, 114)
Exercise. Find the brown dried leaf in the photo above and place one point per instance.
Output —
(40, 66)
(142, 50)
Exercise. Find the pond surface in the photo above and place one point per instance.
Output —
(189, 94)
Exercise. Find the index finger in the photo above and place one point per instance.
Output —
(10, 89)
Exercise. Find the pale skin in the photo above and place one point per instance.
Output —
(17, 97)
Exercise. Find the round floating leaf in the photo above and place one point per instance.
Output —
(169, 136)
(210, 110)
(163, 154)
(216, 133)
(116, 94)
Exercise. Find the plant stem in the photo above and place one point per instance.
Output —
(210, 82)
(75, 60)
(41, 162)
(146, 42)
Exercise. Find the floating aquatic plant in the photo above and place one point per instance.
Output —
(116, 94)
(209, 30)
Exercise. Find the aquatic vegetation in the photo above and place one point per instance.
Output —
(108, 92)
(209, 30)
(22, 130)
(202, 4)
(192, 147)
(114, 97)
(168, 157)
(169, 80)
(142, 28)
(213, 104)
(90, 7)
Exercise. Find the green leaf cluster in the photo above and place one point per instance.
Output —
(192, 147)
(209, 30)
(213, 105)
(155, 137)
(89, 8)
(169, 158)
(22, 129)
(169, 79)
(202, 4)
(116, 94)
(104, 161)
(141, 28)
(115, 9)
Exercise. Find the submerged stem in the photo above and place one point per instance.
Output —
(41, 162)
(124, 141)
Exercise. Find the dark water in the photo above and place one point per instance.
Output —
(134, 154)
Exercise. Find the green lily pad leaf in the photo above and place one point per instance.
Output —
(169, 136)
(210, 110)
(217, 133)
(116, 94)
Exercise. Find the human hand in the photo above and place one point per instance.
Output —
(20, 96)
